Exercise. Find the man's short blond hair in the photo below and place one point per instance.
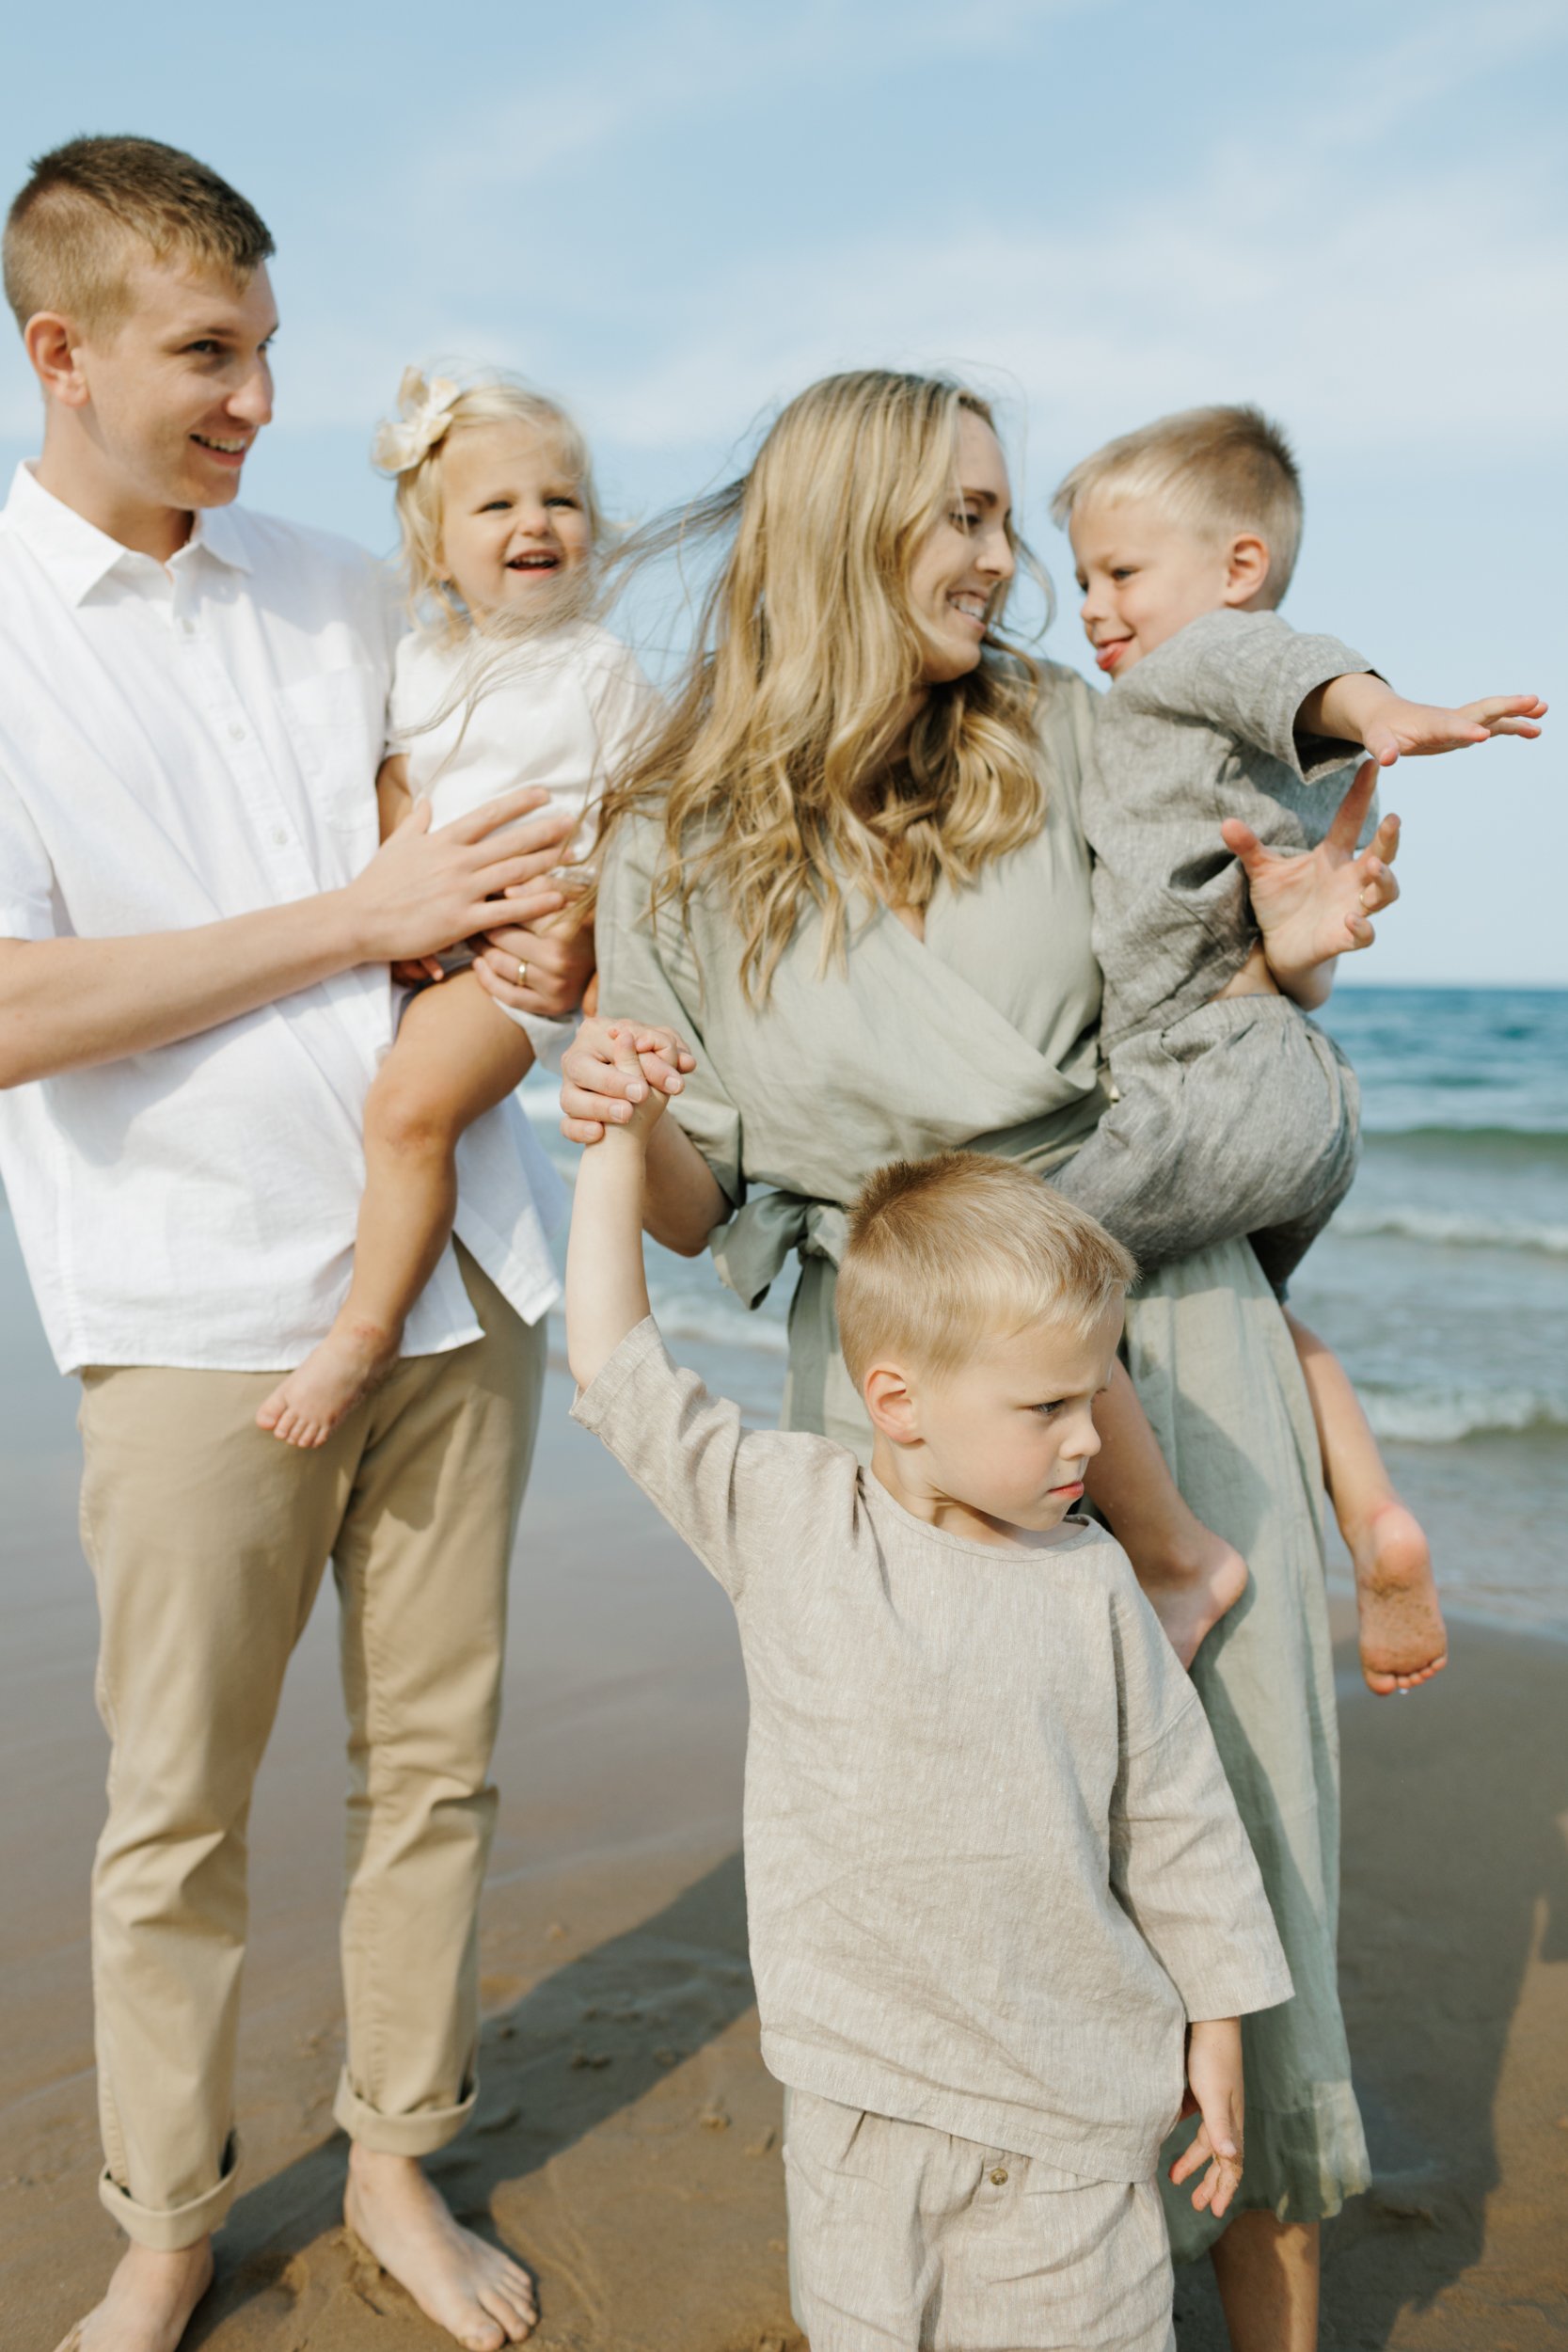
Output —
(75, 226)
(1219, 470)
(947, 1253)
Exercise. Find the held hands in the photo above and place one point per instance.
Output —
(1315, 906)
(610, 1069)
(1214, 2092)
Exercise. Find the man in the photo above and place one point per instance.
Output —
(194, 929)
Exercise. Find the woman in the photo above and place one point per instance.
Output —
(850, 871)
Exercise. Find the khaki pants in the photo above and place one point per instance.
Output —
(907, 2239)
(208, 1540)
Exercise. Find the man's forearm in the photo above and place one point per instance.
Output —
(65, 1004)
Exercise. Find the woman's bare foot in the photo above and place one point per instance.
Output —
(1191, 1587)
(1403, 1641)
(475, 2293)
(305, 1408)
(149, 2303)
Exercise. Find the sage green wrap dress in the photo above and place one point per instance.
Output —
(983, 1037)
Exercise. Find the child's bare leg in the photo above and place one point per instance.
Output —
(1267, 2275)
(1403, 1639)
(455, 1057)
(1190, 1575)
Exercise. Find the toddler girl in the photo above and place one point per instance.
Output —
(504, 682)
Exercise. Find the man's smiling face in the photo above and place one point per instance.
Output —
(179, 388)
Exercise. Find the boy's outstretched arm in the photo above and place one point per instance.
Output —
(607, 1290)
(1360, 708)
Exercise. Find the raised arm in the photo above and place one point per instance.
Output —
(1361, 708)
(67, 1004)
(606, 1289)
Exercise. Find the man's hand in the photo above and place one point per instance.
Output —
(1214, 2089)
(423, 891)
(1314, 907)
(1362, 709)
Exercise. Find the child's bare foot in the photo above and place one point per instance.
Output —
(149, 2303)
(477, 2294)
(1191, 1591)
(305, 1408)
(1403, 1642)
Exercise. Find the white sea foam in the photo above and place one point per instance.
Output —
(1451, 1228)
(717, 1317)
(1440, 1416)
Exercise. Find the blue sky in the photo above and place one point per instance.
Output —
(677, 216)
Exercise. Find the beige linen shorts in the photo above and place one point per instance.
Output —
(904, 2237)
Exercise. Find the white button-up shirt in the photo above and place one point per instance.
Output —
(181, 743)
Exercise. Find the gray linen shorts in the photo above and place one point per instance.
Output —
(1242, 1118)
(904, 2239)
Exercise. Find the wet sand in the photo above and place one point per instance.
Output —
(627, 2140)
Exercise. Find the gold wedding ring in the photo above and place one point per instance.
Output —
(522, 975)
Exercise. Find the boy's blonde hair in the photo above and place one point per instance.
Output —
(409, 447)
(75, 226)
(1220, 471)
(787, 775)
(946, 1253)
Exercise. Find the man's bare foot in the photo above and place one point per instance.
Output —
(305, 1408)
(475, 2293)
(1403, 1642)
(1191, 1591)
(149, 2303)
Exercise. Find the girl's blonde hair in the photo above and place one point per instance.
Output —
(409, 447)
(787, 771)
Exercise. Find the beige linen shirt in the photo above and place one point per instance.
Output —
(992, 1865)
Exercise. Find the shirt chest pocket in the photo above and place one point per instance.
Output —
(337, 722)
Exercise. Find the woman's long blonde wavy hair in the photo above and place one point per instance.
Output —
(787, 771)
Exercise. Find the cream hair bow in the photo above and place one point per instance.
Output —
(426, 415)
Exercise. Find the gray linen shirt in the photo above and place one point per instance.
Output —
(992, 1865)
(1202, 728)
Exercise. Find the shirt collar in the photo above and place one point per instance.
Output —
(80, 555)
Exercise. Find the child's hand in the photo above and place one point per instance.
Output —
(1316, 906)
(1397, 728)
(1214, 2077)
(598, 1090)
(637, 1062)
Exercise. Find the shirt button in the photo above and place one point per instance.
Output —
(280, 837)
(187, 627)
(999, 2178)
(236, 732)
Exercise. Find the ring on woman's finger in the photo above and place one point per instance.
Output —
(522, 974)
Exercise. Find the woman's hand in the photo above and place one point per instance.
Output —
(542, 971)
(600, 1088)
(1316, 906)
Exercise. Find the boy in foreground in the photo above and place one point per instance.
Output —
(1222, 784)
(995, 1874)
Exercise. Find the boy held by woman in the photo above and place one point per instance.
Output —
(1221, 791)
(1001, 1904)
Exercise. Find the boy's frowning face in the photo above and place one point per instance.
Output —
(1010, 1434)
(179, 389)
(1143, 577)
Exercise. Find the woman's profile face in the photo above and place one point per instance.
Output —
(964, 563)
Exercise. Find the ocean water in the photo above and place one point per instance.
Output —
(1442, 1283)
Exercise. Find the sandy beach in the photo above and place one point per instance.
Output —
(627, 2136)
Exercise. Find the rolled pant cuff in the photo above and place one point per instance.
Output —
(417, 2135)
(170, 2228)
